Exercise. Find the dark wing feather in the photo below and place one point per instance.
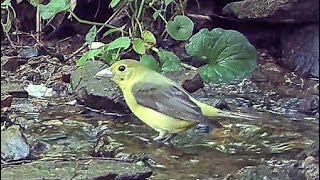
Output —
(169, 100)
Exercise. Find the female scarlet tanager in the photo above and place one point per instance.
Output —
(158, 101)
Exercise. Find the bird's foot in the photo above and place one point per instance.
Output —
(169, 138)
(164, 138)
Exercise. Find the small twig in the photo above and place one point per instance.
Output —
(91, 23)
(181, 6)
(160, 15)
(85, 45)
(38, 24)
(187, 66)
(140, 10)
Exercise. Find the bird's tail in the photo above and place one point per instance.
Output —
(237, 115)
(210, 111)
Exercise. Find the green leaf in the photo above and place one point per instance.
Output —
(121, 42)
(148, 37)
(114, 3)
(180, 28)
(91, 35)
(5, 4)
(7, 25)
(111, 31)
(229, 54)
(156, 14)
(167, 2)
(150, 62)
(111, 57)
(89, 55)
(170, 62)
(138, 46)
(53, 7)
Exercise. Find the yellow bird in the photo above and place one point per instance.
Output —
(158, 101)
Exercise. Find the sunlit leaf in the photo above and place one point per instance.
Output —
(148, 37)
(53, 7)
(114, 3)
(138, 46)
(121, 42)
(89, 55)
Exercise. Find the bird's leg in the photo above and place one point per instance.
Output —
(161, 136)
(169, 137)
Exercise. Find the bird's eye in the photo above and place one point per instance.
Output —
(122, 68)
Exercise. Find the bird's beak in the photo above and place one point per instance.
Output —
(104, 73)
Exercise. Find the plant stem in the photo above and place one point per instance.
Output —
(140, 10)
(187, 66)
(160, 15)
(91, 23)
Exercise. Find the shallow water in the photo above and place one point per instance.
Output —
(192, 155)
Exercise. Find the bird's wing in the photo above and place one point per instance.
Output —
(167, 99)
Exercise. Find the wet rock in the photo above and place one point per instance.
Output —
(188, 79)
(87, 169)
(94, 93)
(300, 49)
(14, 89)
(11, 63)
(275, 11)
(28, 52)
(13, 144)
(311, 168)
(310, 106)
(275, 171)
(66, 73)
(6, 101)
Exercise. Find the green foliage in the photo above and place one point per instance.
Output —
(89, 55)
(112, 31)
(150, 62)
(6, 5)
(170, 61)
(53, 7)
(121, 42)
(147, 40)
(91, 35)
(229, 54)
(114, 3)
(138, 45)
(180, 28)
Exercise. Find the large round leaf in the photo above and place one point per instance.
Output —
(229, 54)
(180, 28)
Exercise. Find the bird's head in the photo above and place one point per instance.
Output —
(121, 72)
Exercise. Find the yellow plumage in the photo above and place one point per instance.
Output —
(158, 101)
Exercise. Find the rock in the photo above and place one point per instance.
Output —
(11, 63)
(66, 73)
(94, 93)
(311, 168)
(87, 169)
(270, 171)
(275, 11)
(14, 89)
(191, 81)
(310, 106)
(300, 49)
(28, 52)
(6, 101)
(13, 144)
